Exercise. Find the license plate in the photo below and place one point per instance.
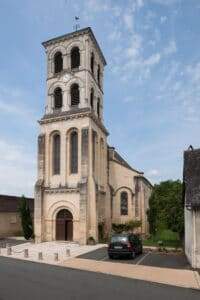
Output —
(118, 247)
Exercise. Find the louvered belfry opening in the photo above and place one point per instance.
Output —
(92, 98)
(75, 58)
(74, 152)
(58, 62)
(75, 95)
(56, 154)
(98, 107)
(58, 98)
(92, 62)
(98, 74)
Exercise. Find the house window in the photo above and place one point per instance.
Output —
(74, 152)
(56, 154)
(75, 58)
(75, 95)
(58, 62)
(124, 203)
(58, 98)
(92, 98)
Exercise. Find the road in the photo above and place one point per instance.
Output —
(20, 280)
(154, 259)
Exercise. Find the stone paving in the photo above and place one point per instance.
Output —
(52, 252)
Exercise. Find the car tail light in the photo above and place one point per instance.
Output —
(129, 245)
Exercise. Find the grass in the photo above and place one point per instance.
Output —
(168, 237)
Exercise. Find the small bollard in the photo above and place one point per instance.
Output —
(56, 256)
(40, 256)
(67, 252)
(9, 250)
(25, 253)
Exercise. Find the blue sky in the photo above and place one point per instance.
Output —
(152, 81)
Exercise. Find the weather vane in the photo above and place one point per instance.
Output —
(77, 25)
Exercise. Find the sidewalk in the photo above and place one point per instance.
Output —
(181, 278)
(48, 250)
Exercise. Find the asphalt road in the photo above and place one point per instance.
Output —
(20, 280)
(161, 260)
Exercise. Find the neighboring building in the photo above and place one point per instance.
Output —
(10, 222)
(191, 180)
(82, 182)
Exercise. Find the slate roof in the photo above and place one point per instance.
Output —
(123, 162)
(191, 178)
(11, 203)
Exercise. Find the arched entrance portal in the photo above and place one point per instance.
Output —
(64, 225)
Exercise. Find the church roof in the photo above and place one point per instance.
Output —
(191, 178)
(11, 203)
(86, 30)
(117, 157)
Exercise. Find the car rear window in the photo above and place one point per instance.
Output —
(119, 238)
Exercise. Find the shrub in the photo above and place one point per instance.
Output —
(26, 221)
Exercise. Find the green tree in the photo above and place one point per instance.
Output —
(166, 209)
(26, 219)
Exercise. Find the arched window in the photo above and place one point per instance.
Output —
(74, 152)
(58, 62)
(98, 107)
(92, 98)
(124, 203)
(75, 58)
(56, 154)
(75, 96)
(57, 98)
(98, 74)
(92, 62)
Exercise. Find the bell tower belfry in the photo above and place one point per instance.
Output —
(71, 192)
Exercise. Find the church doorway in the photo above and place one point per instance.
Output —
(64, 225)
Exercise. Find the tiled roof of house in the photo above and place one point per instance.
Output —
(11, 203)
(191, 178)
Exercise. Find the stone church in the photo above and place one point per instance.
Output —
(83, 184)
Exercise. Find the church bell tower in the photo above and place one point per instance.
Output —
(71, 192)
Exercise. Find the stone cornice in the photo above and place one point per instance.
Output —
(67, 36)
(61, 190)
(73, 114)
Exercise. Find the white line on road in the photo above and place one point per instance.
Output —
(142, 258)
(104, 258)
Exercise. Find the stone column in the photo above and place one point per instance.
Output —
(38, 210)
(84, 186)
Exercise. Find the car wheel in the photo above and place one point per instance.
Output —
(133, 255)
(110, 256)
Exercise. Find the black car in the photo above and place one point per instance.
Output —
(125, 245)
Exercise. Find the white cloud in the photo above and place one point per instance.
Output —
(128, 21)
(165, 2)
(163, 19)
(171, 48)
(134, 49)
(153, 173)
(115, 35)
(17, 169)
(153, 60)
(12, 103)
